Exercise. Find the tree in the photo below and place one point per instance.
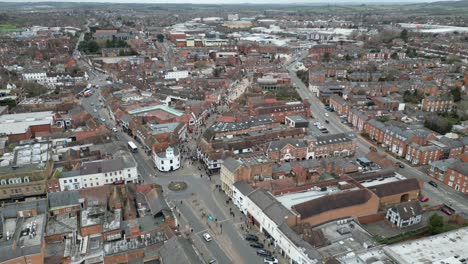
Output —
(326, 57)
(160, 37)
(436, 224)
(438, 124)
(394, 56)
(347, 57)
(217, 72)
(32, 89)
(404, 35)
(456, 93)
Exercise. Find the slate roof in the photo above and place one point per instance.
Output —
(332, 202)
(409, 209)
(391, 188)
(280, 144)
(63, 199)
(231, 164)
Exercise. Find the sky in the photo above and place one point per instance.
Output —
(237, 1)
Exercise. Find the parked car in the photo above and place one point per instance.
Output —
(115, 129)
(213, 261)
(256, 245)
(326, 114)
(270, 260)
(433, 183)
(424, 199)
(263, 253)
(250, 237)
(326, 121)
(373, 149)
(446, 211)
(207, 237)
(400, 165)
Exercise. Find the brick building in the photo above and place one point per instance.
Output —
(437, 104)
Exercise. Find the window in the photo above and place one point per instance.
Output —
(105, 174)
(76, 180)
(162, 162)
(120, 172)
(170, 162)
(91, 184)
(64, 181)
(129, 175)
(86, 185)
(115, 173)
(107, 180)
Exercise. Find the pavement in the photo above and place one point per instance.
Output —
(442, 194)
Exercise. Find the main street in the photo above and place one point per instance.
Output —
(228, 245)
(442, 194)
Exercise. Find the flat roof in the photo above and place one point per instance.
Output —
(156, 107)
(19, 123)
(438, 248)
(291, 199)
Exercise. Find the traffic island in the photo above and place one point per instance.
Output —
(177, 186)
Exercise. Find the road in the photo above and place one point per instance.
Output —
(226, 247)
(442, 194)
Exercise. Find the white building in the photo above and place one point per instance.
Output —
(272, 218)
(35, 76)
(168, 160)
(177, 75)
(100, 172)
(405, 214)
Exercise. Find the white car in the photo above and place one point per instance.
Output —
(326, 114)
(103, 119)
(207, 237)
(270, 260)
(317, 124)
(114, 129)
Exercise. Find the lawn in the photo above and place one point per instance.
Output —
(7, 28)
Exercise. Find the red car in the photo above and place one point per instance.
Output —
(424, 199)
(446, 211)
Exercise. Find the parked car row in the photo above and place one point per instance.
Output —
(267, 255)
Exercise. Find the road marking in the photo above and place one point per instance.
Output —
(199, 232)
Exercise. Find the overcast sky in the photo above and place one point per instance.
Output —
(234, 1)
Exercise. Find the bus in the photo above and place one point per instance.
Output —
(132, 147)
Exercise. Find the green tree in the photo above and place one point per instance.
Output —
(217, 72)
(436, 224)
(326, 57)
(160, 37)
(347, 57)
(456, 93)
(404, 35)
(394, 56)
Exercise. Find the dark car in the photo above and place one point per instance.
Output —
(326, 121)
(263, 253)
(432, 183)
(256, 245)
(250, 237)
(400, 165)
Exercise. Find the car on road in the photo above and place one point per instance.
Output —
(400, 165)
(256, 245)
(270, 260)
(326, 114)
(115, 129)
(207, 237)
(446, 211)
(213, 261)
(103, 119)
(433, 183)
(327, 122)
(317, 124)
(424, 199)
(263, 253)
(250, 237)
